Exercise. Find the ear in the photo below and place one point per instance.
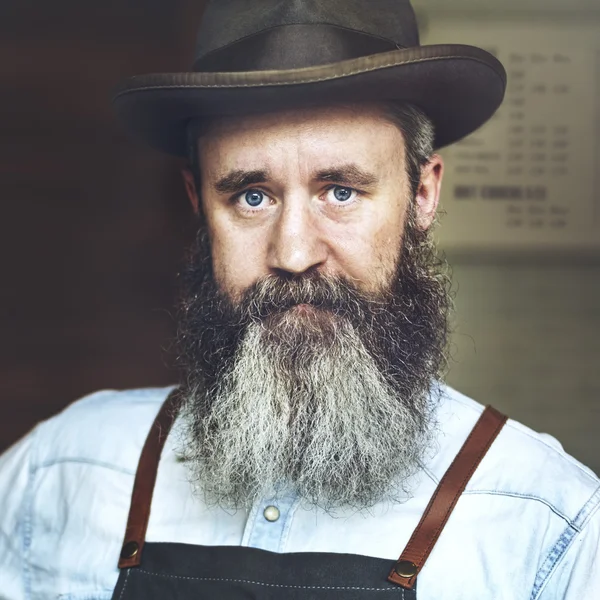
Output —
(190, 188)
(428, 194)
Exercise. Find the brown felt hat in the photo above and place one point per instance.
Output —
(262, 55)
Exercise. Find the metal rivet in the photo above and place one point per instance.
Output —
(130, 549)
(271, 513)
(406, 569)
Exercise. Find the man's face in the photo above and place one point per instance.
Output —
(313, 314)
(322, 189)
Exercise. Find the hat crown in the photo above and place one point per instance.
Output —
(228, 21)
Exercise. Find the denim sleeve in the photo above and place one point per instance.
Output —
(14, 477)
(576, 573)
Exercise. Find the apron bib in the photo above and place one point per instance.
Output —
(161, 571)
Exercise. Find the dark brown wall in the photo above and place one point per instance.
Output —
(92, 224)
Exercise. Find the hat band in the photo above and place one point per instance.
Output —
(293, 47)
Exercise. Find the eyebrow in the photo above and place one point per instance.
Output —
(349, 174)
(236, 180)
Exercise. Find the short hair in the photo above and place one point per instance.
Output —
(417, 129)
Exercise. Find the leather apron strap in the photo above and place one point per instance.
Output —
(145, 478)
(421, 542)
(445, 498)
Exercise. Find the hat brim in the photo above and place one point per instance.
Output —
(459, 88)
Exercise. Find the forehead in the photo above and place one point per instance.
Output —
(313, 136)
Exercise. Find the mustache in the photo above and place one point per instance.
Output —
(273, 295)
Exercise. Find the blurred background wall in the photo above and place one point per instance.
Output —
(522, 229)
(93, 225)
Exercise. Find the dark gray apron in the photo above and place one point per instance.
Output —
(161, 571)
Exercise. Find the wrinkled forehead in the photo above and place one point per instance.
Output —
(324, 130)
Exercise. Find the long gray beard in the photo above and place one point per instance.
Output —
(334, 403)
(334, 431)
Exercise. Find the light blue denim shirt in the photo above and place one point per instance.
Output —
(527, 526)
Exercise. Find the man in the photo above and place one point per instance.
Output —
(310, 442)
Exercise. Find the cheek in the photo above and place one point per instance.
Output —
(236, 261)
(370, 253)
(390, 236)
(386, 253)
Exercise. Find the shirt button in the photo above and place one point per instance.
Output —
(271, 513)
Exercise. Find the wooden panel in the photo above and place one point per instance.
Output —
(93, 223)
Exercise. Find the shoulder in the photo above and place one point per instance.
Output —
(521, 463)
(107, 428)
(65, 490)
(528, 500)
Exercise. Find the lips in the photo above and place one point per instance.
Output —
(303, 307)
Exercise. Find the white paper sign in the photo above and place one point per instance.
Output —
(529, 179)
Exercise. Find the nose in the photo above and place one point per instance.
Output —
(296, 243)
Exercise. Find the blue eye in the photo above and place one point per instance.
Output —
(254, 197)
(343, 194)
